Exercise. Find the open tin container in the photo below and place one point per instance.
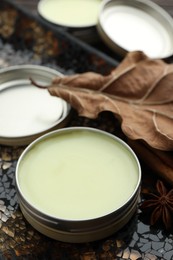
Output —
(79, 17)
(78, 184)
(133, 25)
(27, 112)
(136, 25)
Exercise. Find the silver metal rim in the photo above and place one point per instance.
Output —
(159, 12)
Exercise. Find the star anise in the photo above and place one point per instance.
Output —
(161, 206)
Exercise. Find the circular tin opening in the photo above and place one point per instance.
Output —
(25, 110)
(70, 13)
(136, 25)
(77, 175)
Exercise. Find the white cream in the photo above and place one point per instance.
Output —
(72, 13)
(134, 29)
(27, 110)
(78, 176)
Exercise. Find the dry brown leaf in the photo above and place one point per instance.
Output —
(139, 92)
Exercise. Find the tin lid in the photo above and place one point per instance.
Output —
(27, 112)
(136, 25)
(70, 13)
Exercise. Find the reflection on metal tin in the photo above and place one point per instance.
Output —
(92, 183)
(136, 25)
(27, 112)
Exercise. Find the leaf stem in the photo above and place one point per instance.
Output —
(37, 85)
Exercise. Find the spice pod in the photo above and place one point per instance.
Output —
(90, 184)
(136, 25)
(27, 112)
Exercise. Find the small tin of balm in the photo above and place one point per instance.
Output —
(136, 25)
(26, 111)
(78, 184)
(79, 17)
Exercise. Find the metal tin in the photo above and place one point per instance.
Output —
(78, 230)
(136, 25)
(75, 16)
(27, 112)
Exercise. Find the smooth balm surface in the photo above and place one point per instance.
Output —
(78, 175)
(70, 13)
(134, 29)
(27, 110)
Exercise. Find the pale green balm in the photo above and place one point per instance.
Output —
(78, 175)
(70, 13)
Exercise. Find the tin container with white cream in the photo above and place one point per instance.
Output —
(27, 112)
(78, 184)
(136, 25)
